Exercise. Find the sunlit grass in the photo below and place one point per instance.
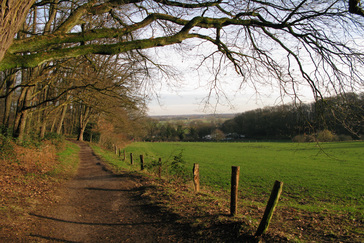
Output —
(68, 160)
(316, 176)
(112, 158)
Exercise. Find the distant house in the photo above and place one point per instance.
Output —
(234, 135)
(207, 137)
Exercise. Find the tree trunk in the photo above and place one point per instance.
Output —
(54, 122)
(80, 134)
(23, 103)
(45, 113)
(12, 16)
(20, 113)
(43, 127)
(84, 119)
(20, 130)
(10, 80)
(60, 122)
(63, 115)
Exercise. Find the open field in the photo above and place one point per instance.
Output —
(325, 176)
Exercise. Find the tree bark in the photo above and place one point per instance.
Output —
(44, 113)
(10, 81)
(12, 16)
(84, 119)
(52, 17)
(22, 113)
(63, 114)
(80, 134)
(20, 130)
(60, 123)
(43, 127)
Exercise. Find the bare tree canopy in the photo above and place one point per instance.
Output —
(316, 41)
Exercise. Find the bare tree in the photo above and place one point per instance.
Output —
(281, 40)
(291, 43)
(109, 90)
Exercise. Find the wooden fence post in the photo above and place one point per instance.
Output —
(141, 162)
(271, 205)
(131, 158)
(116, 149)
(124, 154)
(196, 177)
(234, 189)
(160, 168)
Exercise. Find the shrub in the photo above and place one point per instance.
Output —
(6, 131)
(298, 139)
(6, 148)
(55, 138)
(178, 167)
(153, 165)
(303, 138)
(326, 136)
(343, 137)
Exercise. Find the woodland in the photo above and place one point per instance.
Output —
(70, 64)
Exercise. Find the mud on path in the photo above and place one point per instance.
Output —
(99, 206)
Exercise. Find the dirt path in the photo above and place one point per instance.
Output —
(99, 206)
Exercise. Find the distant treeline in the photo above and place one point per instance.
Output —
(339, 116)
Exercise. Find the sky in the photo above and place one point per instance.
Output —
(192, 88)
(188, 102)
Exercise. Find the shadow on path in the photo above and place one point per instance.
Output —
(99, 206)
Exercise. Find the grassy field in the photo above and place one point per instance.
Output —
(316, 176)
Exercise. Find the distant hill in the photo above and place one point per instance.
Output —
(194, 117)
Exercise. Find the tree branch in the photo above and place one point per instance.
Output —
(355, 8)
(186, 5)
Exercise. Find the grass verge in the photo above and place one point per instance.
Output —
(111, 158)
(68, 159)
(29, 177)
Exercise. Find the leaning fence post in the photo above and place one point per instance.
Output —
(131, 158)
(271, 205)
(141, 162)
(196, 177)
(160, 168)
(234, 189)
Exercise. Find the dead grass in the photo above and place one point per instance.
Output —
(25, 182)
(208, 212)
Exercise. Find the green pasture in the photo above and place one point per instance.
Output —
(316, 176)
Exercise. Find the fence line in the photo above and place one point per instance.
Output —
(235, 171)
